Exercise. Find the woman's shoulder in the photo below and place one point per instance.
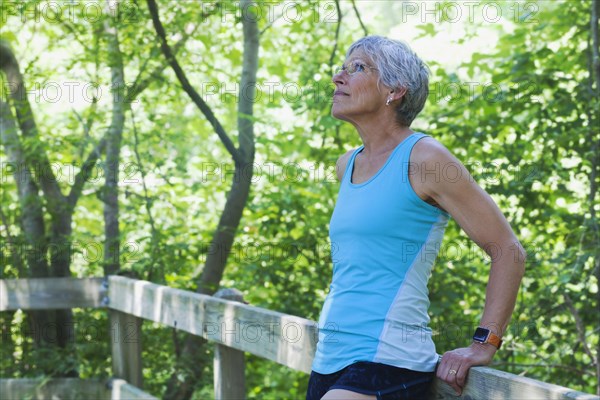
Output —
(435, 170)
(428, 149)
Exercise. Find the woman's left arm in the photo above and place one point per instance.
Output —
(479, 216)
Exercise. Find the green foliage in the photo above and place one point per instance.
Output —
(526, 134)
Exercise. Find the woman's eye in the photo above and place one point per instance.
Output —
(359, 67)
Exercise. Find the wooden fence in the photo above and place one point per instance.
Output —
(233, 326)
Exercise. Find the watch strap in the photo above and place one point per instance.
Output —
(494, 340)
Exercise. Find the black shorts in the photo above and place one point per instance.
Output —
(385, 382)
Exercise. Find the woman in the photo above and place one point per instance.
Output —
(393, 206)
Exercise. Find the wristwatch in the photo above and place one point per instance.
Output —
(483, 335)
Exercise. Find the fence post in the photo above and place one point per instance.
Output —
(229, 364)
(126, 337)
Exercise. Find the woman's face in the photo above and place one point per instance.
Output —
(358, 94)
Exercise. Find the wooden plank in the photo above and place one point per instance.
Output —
(488, 383)
(70, 388)
(59, 388)
(287, 339)
(229, 378)
(229, 364)
(121, 389)
(126, 347)
(279, 337)
(283, 338)
(51, 293)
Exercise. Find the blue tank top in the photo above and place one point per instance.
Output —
(384, 240)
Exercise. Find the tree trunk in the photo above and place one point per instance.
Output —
(181, 384)
(32, 221)
(53, 327)
(114, 135)
(242, 178)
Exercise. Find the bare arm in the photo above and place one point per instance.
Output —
(479, 216)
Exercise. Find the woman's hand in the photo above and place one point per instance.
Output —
(455, 364)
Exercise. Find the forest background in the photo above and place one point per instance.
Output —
(190, 143)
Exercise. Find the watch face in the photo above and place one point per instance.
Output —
(481, 334)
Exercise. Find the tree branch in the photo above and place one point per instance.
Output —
(155, 251)
(84, 173)
(86, 132)
(140, 84)
(248, 87)
(136, 143)
(359, 18)
(337, 34)
(187, 87)
(270, 24)
(580, 327)
(35, 156)
(72, 29)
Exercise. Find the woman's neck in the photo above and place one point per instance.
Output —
(381, 137)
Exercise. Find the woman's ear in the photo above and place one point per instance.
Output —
(397, 94)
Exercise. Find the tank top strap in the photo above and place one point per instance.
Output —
(401, 158)
(350, 165)
(403, 155)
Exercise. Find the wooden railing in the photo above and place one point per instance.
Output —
(233, 326)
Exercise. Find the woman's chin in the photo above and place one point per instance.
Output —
(337, 112)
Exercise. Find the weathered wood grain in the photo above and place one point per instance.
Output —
(51, 293)
(126, 347)
(229, 364)
(69, 389)
(279, 337)
(234, 326)
(491, 384)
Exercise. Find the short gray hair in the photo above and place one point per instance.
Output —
(399, 67)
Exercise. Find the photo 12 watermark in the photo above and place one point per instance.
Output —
(469, 11)
(129, 173)
(269, 12)
(72, 92)
(88, 251)
(72, 11)
(76, 332)
(237, 330)
(490, 92)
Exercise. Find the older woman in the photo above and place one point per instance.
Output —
(386, 229)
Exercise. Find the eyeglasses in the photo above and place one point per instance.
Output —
(354, 68)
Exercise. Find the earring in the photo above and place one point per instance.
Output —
(387, 103)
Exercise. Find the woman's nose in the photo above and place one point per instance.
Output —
(338, 76)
